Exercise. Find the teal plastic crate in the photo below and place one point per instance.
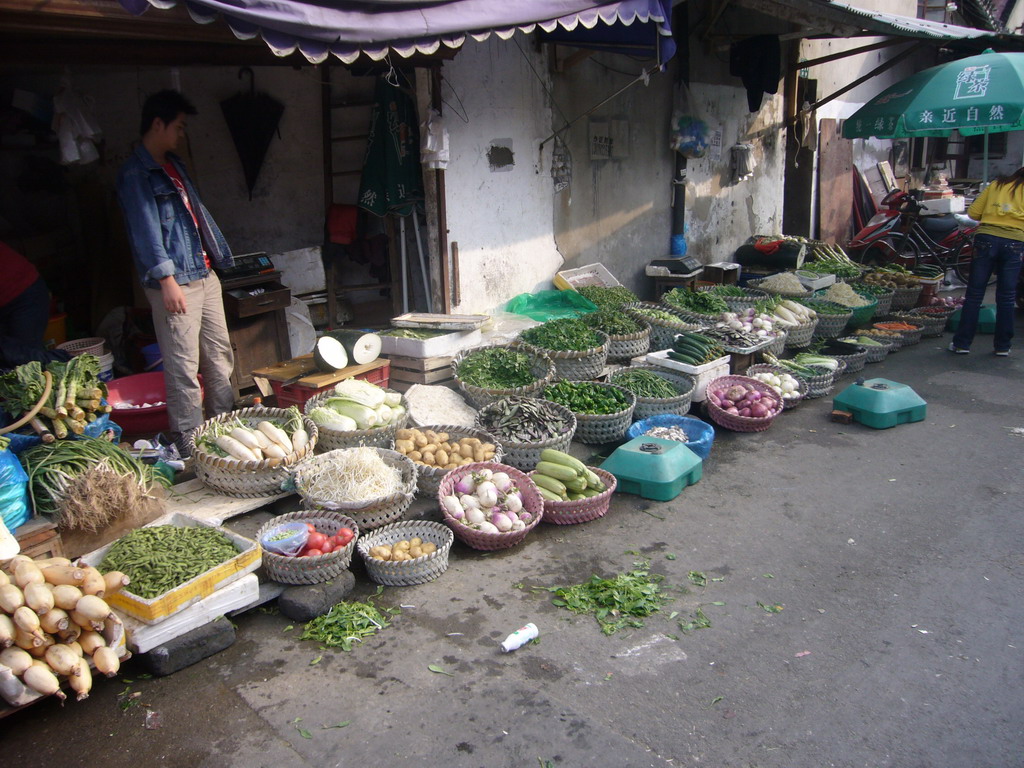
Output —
(881, 403)
(654, 468)
(986, 319)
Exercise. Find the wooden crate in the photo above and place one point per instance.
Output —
(39, 538)
(406, 371)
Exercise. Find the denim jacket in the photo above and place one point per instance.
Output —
(163, 236)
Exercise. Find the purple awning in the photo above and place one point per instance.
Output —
(319, 28)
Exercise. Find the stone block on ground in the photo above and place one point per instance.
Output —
(306, 602)
(185, 650)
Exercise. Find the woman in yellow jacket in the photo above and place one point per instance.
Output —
(998, 246)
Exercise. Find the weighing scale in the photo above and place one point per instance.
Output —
(880, 403)
(653, 467)
(676, 266)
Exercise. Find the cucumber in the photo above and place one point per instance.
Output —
(549, 495)
(680, 358)
(550, 483)
(593, 481)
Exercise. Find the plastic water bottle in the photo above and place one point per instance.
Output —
(520, 637)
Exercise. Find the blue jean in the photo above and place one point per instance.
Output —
(991, 255)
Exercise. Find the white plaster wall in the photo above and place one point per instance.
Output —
(502, 221)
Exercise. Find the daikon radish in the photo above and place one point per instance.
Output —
(264, 441)
(81, 683)
(276, 434)
(64, 574)
(17, 659)
(43, 681)
(54, 620)
(106, 661)
(6, 631)
(63, 660)
(246, 437)
(11, 598)
(234, 449)
(114, 581)
(93, 584)
(39, 598)
(300, 438)
(66, 596)
(274, 451)
(90, 641)
(93, 608)
(27, 573)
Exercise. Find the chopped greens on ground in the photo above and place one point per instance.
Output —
(616, 603)
(348, 623)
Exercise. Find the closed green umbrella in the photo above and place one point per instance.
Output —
(977, 95)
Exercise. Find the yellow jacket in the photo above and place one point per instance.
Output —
(1000, 209)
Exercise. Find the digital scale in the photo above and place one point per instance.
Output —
(675, 266)
(247, 265)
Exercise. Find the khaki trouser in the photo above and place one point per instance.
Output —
(194, 342)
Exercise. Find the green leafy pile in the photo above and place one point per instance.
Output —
(607, 297)
(644, 383)
(348, 623)
(496, 368)
(613, 322)
(587, 397)
(616, 603)
(564, 335)
(700, 302)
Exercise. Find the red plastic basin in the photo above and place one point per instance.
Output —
(137, 389)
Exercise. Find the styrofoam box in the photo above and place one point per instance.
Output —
(954, 204)
(703, 374)
(816, 282)
(438, 346)
(591, 274)
(236, 595)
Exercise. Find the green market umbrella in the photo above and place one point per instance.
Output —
(976, 95)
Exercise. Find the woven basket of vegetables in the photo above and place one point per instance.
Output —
(790, 387)
(910, 330)
(578, 351)
(735, 297)
(423, 559)
(742, 404)
(777, 286)
(627, 336)
(603, 411)
(875, 350)
(891, 339)
(348, 423)
(490, 506)
(222, 456)
(373, 486)
(822, 381)
(666, 392)
(778, 344)
(883, 295)
(440, 448)
(905, 297)
(801, 336)
(861, 303)
(832, 317)
(934, 321)
(665, 322)
(525, 426)
(314, 569)
(582, 510)
(854, 355)
(486, 374)
(699, 306)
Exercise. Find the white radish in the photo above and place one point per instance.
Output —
(66, 596)
(106, 661)
(235, 449)
(276, 434)
(39, 598)
(42, 681)
(262, 439)
(300, 438)
(246, 437)
(17, 659)
(274, 451)
(63, 660)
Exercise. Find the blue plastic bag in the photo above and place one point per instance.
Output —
(701, 434)
(14, 504)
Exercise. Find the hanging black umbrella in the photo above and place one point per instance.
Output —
(252, 118)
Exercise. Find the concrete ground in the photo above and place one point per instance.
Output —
(896, 557)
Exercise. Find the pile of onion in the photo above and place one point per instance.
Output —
(741, 399)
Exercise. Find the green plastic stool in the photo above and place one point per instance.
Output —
(881, 403)
(653, 467)
(986, 319)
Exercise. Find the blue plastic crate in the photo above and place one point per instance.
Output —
(701, 433)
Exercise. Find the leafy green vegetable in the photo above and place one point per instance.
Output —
(613, 322)
(21, 388)
(657, 314)
(346, 624)
(607, 297)
(618, 602)
(644, 383)
(439, 670)
(700, 302)
(496, 368)
(563, 334)
(699, 621)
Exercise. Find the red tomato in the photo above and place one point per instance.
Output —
(311, 528)
(328, 546)
(316, 541)
(311, 552)
(345, 535)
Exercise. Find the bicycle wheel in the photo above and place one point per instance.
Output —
(962, 264)
(889, 251)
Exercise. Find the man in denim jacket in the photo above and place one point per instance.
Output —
(175, 242)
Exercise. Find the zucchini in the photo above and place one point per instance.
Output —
(560, 457)
(557, 471)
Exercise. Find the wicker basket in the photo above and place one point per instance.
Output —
(705, 321)
(575, 365)
(309, 570)
(934, 322)
(92, 345)
(756, 284)
(525, 456)
(540, 365)
(582, 510)
(405, 573)
(742, 423)
(778, 345)
(877, 354)
(801, 386)
(663, 332)
(854, 362)
(861, 315)
(881, 294)
(379, 437)
(821, 385)
(533, 503)
(595, 429)
(622, 348)
(905, 298)
(247, 479)
(428, 478)
(906, 337)
(893, 343)
(652, 406)
(830, 325)
(738, 303)
(800, 337)
(370, 513)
